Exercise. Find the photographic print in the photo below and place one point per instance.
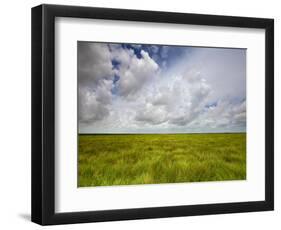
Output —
(152, 114)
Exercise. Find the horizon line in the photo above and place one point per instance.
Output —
(161, 133)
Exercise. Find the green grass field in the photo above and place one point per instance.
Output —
(160, 158)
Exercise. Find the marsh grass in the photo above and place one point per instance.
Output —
(160, 158)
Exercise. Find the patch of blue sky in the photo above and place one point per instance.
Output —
(136, 47)
(212, 104)
(114, 89)
(115, 64)
(163, 55)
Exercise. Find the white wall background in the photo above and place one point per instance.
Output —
(15, 114)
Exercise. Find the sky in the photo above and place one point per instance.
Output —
(140, 88)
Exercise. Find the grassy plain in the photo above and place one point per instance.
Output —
(160, 158)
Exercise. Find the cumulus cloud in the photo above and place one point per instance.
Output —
(123, 89)
(223, 116)
(152, 114)
(93, 104)
(223, 69)
(134, 72)
(94, 63)
(95, 74)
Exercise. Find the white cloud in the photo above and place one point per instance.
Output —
(223, 115)
(202, 92)
(95, 76)
(223, 69)
(94, 63)
(93, 105)
(134, 72)
(152, 114)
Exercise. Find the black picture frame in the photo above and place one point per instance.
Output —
(43, 114)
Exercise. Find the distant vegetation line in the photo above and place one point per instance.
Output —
(158, 133)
